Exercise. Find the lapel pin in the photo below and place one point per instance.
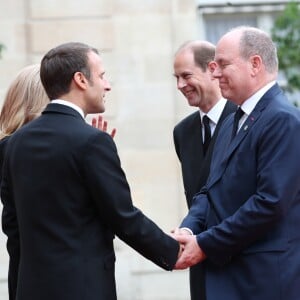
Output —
(246, 127)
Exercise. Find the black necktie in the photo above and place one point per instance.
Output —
(237, 116)
(207, 132)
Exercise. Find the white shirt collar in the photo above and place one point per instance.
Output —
(215, 112)
(70, 104)
(250, 103)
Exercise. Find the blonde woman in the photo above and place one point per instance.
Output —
(24, 101)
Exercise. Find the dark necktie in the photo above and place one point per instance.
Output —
(237, 116)
(207, 132)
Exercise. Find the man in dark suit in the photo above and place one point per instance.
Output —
(193, 69)
(246, 218)
(66, 193)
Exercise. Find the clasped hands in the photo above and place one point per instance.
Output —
(190, 252)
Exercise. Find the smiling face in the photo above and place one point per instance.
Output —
(235, 74)
(194, 83)
(97, 85)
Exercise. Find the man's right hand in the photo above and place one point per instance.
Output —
(191, 252)
(102, 125)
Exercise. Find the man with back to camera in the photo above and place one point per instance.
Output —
(66, 192)
(246, 218)
(193, 67)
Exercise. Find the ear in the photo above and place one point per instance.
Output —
(256, 64)
(212, 65)
(80, 80)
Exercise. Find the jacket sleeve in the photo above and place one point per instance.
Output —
(196, 219)
(268, 217)
(110, 191)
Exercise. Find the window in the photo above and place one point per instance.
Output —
(217, 24)
(217, 17)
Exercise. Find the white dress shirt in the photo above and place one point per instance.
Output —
(251, 102)
(214, 115)
(70, 104)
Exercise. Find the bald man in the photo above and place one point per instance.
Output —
(246, 219)
(193, 67)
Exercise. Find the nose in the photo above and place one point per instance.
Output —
(107, 86)
(181, 83)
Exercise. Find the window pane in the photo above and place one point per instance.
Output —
(216, 24)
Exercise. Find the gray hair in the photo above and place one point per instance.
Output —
(257, 42)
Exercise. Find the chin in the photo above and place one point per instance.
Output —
(193, 102)
(225, 93)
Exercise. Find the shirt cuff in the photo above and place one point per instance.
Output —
(188, 230)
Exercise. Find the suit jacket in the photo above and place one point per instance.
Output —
(247, 215)
(195, 169)
(70, 194)
(189, 149)
(9, 228)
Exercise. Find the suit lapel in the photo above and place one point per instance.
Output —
(196, 145)
(191, 155)
(230, 147)
(229, 108)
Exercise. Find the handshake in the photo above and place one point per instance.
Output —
(190, 252)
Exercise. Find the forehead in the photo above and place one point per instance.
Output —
(95, 60)
(184, 62)
(228, 46)
(185, 56)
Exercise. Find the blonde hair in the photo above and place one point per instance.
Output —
(24, 101)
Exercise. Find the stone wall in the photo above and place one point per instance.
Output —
(137, 40)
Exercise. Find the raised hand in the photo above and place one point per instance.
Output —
(101, 124)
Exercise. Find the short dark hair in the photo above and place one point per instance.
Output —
(59, 65)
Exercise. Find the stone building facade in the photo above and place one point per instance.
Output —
(137, 40)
